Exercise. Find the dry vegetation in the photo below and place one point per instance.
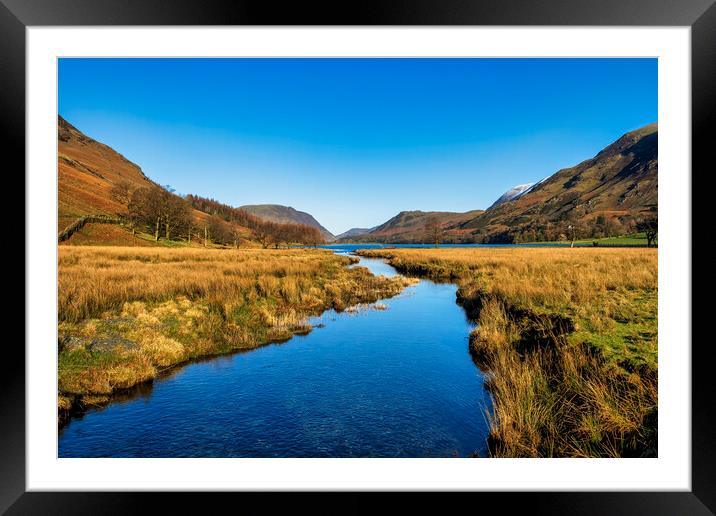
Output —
(568, 339)
(126, 313)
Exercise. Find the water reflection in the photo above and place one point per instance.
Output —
(398, 382)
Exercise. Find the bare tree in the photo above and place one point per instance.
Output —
(176, 213)
(190, 228)
(650, 227)
(433, 230)
(549, 232)
(219, 230)
(266, 232)
(572, 231)
(263, 234)
(313, 237)
(159, 209)
(145, 207)
(236, 235)
(121, 191)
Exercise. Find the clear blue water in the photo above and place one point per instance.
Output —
(398, 382)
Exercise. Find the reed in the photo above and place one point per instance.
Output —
(125, 314)
(567, 339)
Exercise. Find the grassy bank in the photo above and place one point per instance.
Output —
(636, 239)
(127, 313)
(568, 338)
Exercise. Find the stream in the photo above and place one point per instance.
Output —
(398, 382)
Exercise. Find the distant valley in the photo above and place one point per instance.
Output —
(354, 232)
(602, 196)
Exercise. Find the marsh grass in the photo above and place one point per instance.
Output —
(568, 340)
(126, 314)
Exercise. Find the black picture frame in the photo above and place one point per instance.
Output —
(700, 15)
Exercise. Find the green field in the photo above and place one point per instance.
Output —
(634, 239)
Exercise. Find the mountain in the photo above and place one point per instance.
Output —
(286, 214)
(354, 232)
(610, 190)
(87, 170)
(412, 227)
(602, 196)
(94, 179)
(512, 193)
(89, 177)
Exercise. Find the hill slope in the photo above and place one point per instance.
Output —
(354, 232)
(612, 189)
(286, 214)
(87, 173)
(87, 170)
(411, 227)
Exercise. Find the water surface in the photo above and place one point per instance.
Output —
(398, 382)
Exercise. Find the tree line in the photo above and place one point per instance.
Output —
(571, 229)
(266, 232)
(568, 229)
(163, 213)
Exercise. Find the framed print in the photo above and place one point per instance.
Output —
(407, 248)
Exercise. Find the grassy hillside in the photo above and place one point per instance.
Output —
(95, 180)
(110, 234)
(597, 199)
(87, 170)
(413, 226)
(88, 176)
(601, 195)
(354, 232)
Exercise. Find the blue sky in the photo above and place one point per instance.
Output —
(355, 141)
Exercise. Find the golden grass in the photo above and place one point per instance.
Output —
(568, 339)
(127, 313)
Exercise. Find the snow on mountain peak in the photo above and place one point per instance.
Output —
(512, 193)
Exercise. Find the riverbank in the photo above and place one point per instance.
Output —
(568, 338)
(127, 314)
